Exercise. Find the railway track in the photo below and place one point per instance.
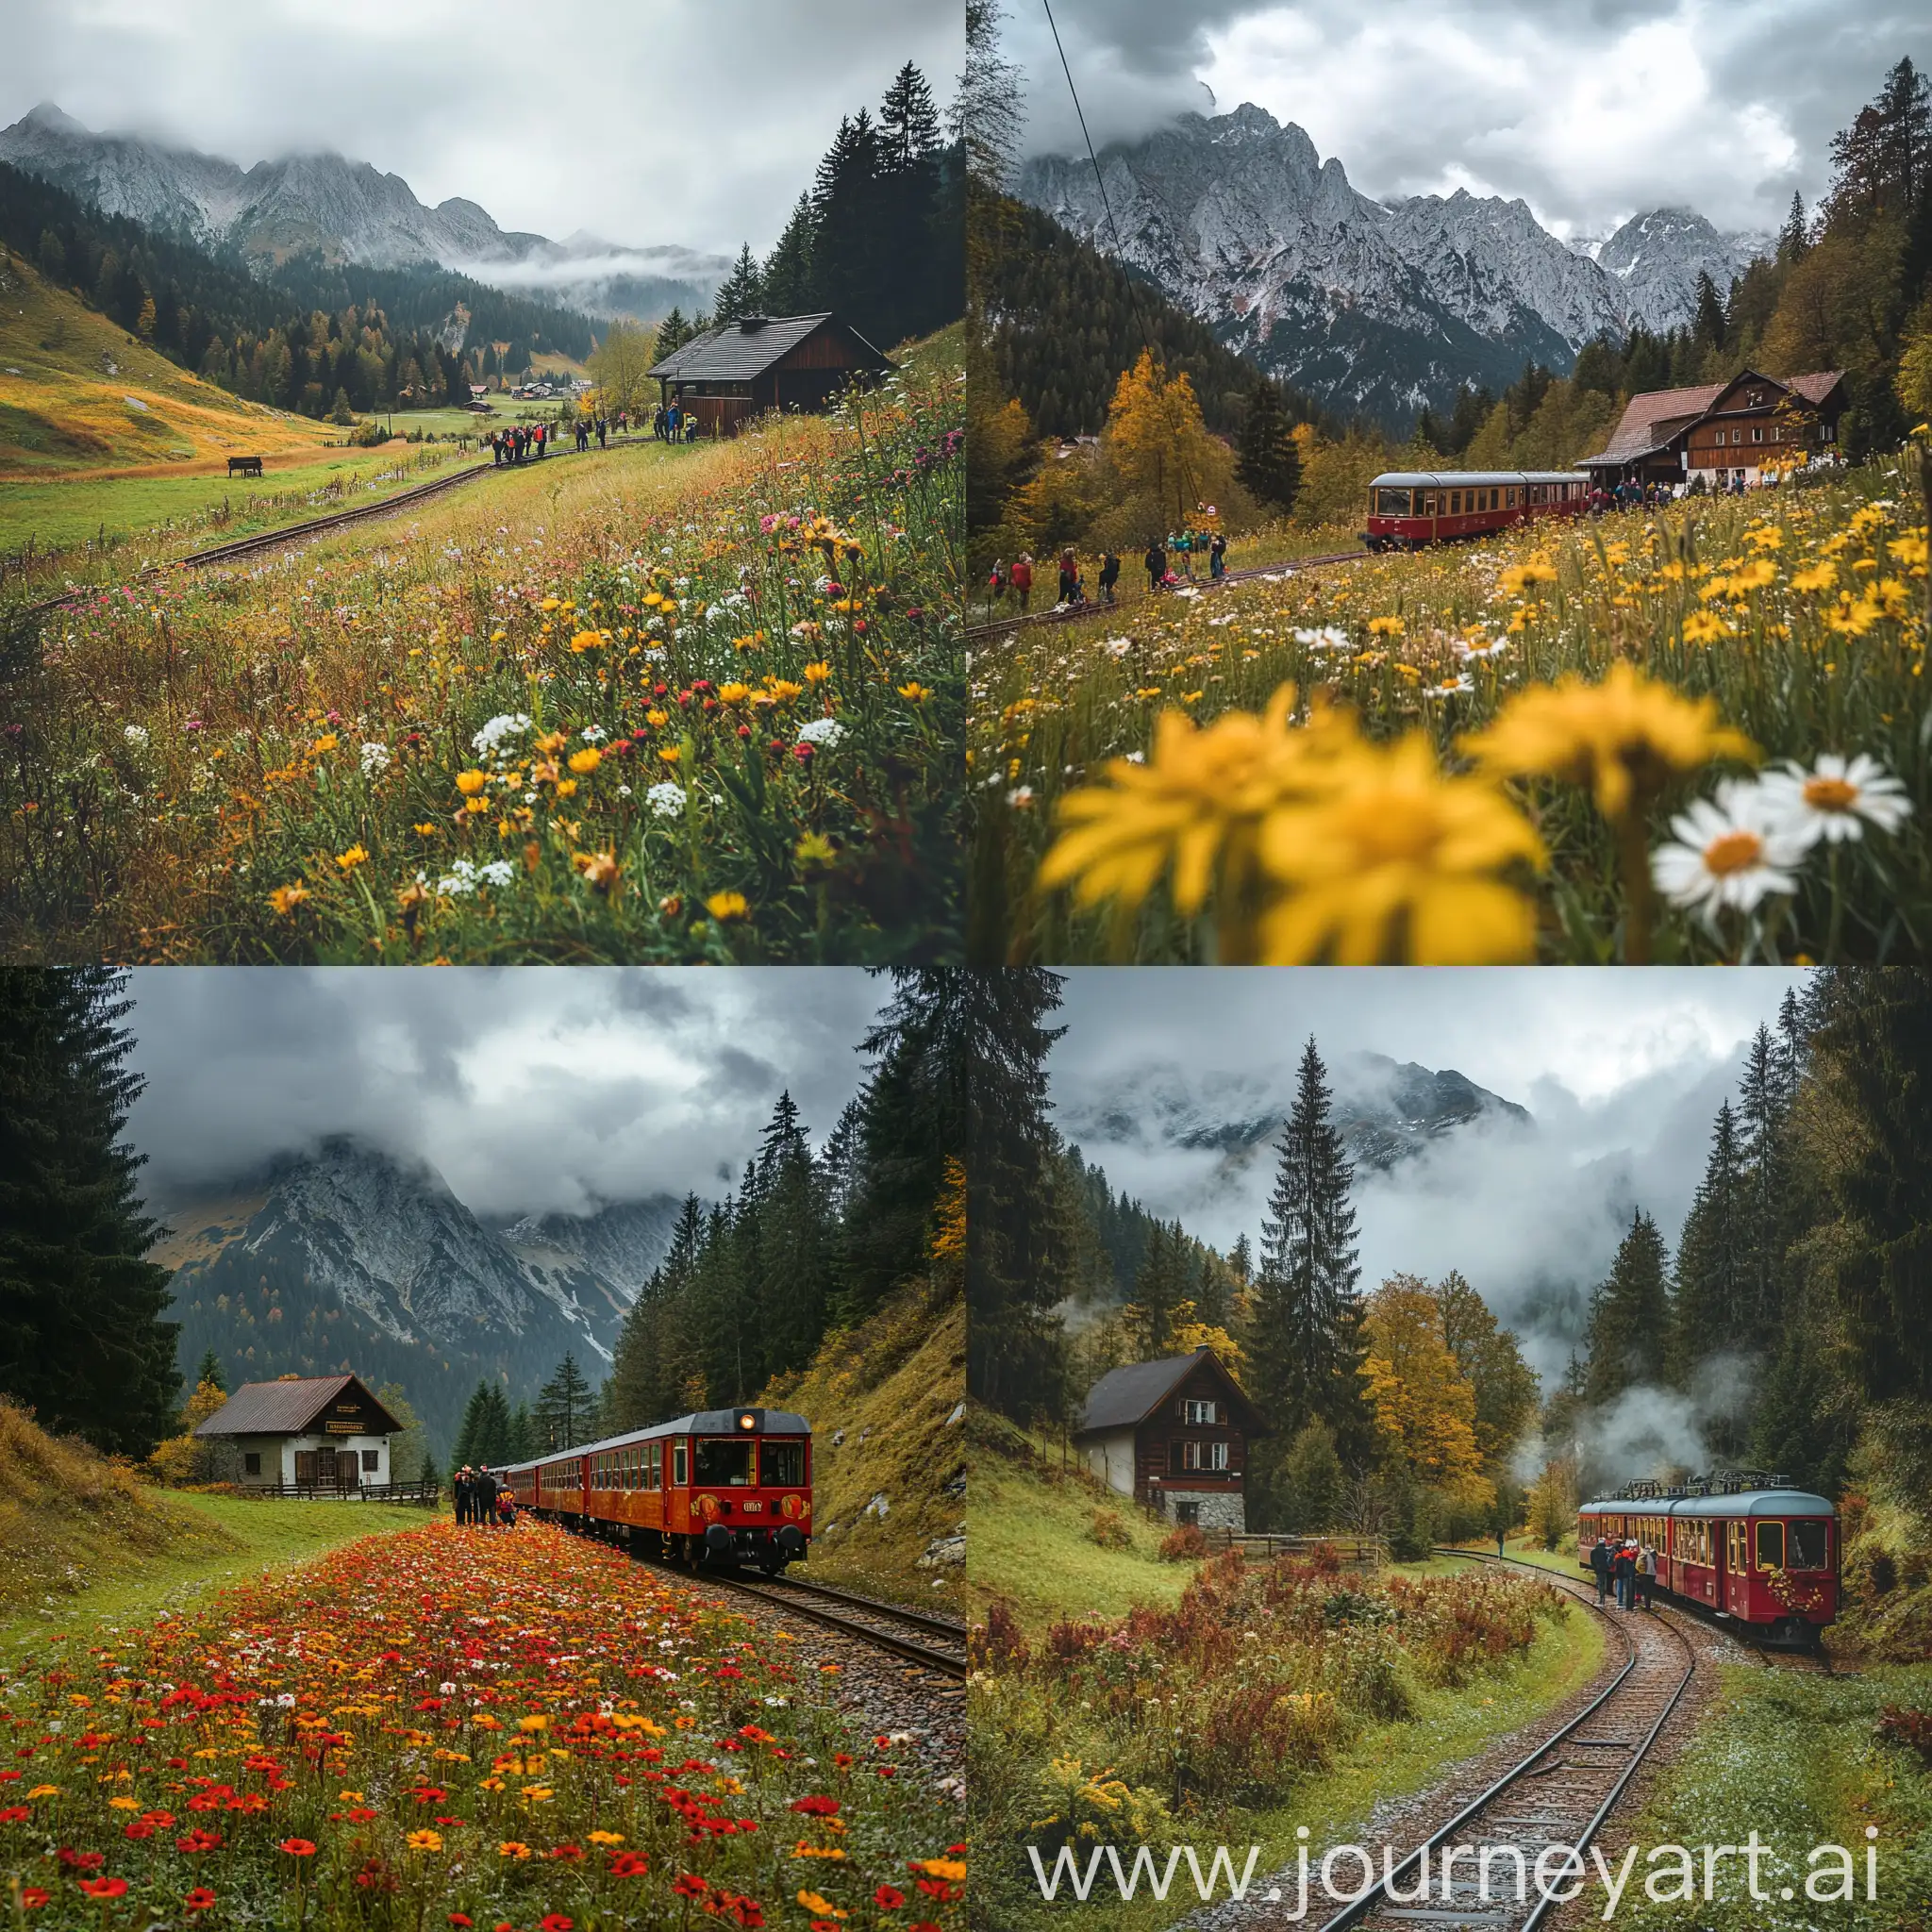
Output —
(1058, 614)
(314, 526)
(1560, 1796)
(862, 1617)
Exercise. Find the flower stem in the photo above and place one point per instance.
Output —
(1633, 859)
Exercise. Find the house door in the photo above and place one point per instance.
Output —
(348, 1469)
(306, 1461)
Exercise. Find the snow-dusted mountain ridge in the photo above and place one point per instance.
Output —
(1370, 306)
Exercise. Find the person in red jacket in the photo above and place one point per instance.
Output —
(1023, 578)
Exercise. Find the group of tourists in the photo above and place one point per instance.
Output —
(515, 445)
(1172, 562)
(1631, 1569)
(674, 424)
(1015, 581)
(597, 426)
(482, 1501)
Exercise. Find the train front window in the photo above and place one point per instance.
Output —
(1809, 1544)
(722, 1461)
(1393, 502)
(1770, 1545)
(784, 1464)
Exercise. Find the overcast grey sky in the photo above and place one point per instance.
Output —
(531, 1089)
(1621, 1070)
(643, 122)
(1591, 110)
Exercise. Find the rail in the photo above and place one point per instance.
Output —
(1638, 1699)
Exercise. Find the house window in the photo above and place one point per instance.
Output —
(1756, 432)
(251, 1462)
(1192, 1412)
(1187, 1512)
(1203, 1455)
(371, 1460)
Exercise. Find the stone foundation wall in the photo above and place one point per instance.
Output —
(1218, 1508)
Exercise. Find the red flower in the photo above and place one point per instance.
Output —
(81, 1861)
(555, 1922)
(889, 1896)
(141, 1828)
(199, 1899)
(462, 1920)
(299, 1848)
(816, 1807)
(629, 1865)
(198, 1840)
(690, 1885)
(104, 1888)
(13, 1814)
(34, 1896)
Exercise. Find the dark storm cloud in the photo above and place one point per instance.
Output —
(643, 122)
(529, 1088)
(1621, 1070)
(1591, 113)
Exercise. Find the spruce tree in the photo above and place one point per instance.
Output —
(742, 293)
(1791, 237)
(82, 1342)
(787, 273)
(1714, 1257)
(471, 1432)
(1628, 1317)
(1269, 462)
(211, 1371)
(1306, 1347)
(562, 1407)
(1159, 1288)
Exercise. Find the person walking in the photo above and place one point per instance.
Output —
(1217, 555)
(459, 1493)
(486, 1497)
(1156, 562)
(1070, 574)
(1600, 1565)
(1110, 575)
(603, 433)
(1646, 1577)
(1023, 578)
(1623, 1568)
(996, 584)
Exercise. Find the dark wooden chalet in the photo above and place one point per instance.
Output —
(317, 1432)
(1174, 1435)
(729, 375)
(1721, 431)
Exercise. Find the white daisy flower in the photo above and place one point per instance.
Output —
(1837, 798)
(1730, 851)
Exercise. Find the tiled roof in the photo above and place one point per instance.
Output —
(285, 1408)
(1123, 1397)
(1652, 419)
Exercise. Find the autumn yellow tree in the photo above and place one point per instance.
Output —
(1423, 1404)
(1158, 445)
(182, 1459)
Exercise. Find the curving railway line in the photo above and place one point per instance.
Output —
(884, 1627)
(1561, 1795)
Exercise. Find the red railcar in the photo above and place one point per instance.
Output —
(1410, 507)
(721, 1486)
(1752, 1553)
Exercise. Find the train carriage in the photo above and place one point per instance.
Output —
(720, 1486)
(1751, 1550)
(1410, 507)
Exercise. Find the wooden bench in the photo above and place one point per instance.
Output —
(245, 466)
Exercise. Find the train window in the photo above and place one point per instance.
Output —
(1770, 1545)
(783, 1464)
(724, 1460)
(1393, 502)
(1429, 504)
(1455, 503)
(1809, 1544)
(657, 1466)
(678, 1465)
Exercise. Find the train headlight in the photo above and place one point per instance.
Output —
(747, 1419)
(707, 1507)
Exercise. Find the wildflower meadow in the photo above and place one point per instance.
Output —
(671, 705)
(520, 1732)
(1696, 734)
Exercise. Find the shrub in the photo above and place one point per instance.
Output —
(1898, 1724)
(1108, 1531)
(1184, 1543)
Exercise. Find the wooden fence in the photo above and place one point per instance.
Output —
(425, 1495)
(1354, 1552)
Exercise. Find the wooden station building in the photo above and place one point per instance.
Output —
(323, 1432)
(1174, 1435)
(729, 375)
(1722, 432)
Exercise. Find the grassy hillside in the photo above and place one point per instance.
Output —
(1032, 1542)
(82, 1538)
(78, 393)
(891, 1390)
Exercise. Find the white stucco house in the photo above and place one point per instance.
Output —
(322, 1433)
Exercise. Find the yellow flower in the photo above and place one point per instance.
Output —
(286, 898)
(353, 857)
(820, 1908)
(550, 604)
(779, 691)
(817, 674)
(1703, 627)
(123, 1804)
(733, 693)
(669, 753)
(1202, 791)
(533, 1724)
(426, 1841)
(1820, 577)
(476, 804)
(1395, 865)
(325, 742)
(512, 1848)
(1386, 627)
(1622, 736)
(45, 1792)
(607, 1838)
(537, 1793)
(588, 640)
(657, 719)
(725, 905)
(814, 848)
(586, 761)
(1525, 576)
(914, 694)
(553, 741)
(470, 783)
(954, 1869)
(599, 869)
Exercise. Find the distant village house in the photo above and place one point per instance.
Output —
(325, 1432)
(1174, 1435)
(1722, 432)
(727, 375)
